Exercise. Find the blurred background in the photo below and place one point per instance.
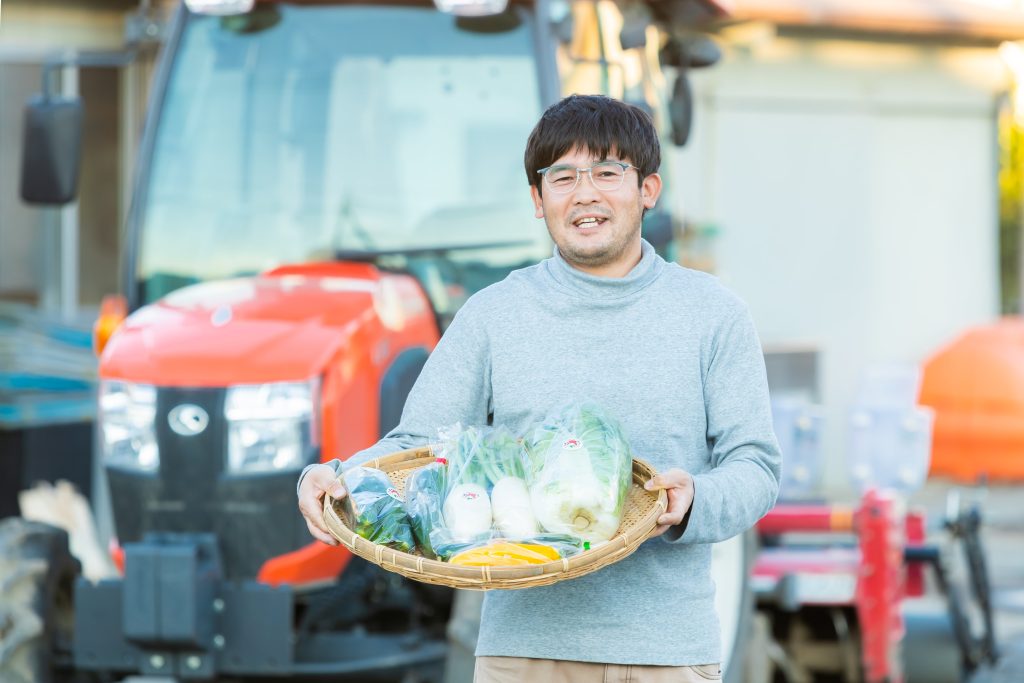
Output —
(853, 170)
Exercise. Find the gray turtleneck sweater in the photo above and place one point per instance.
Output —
(674, 356)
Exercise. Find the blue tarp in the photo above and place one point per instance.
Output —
(47, 368)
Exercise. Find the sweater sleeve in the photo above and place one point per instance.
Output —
(454, 386)
(746, 463)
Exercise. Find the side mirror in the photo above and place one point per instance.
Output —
(51, 150)
(692, 52)
(680, 109)
(562, 24)
(633, 35)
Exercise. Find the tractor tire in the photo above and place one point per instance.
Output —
(37, 575)
(731, 563)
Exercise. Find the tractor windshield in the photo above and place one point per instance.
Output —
(297, 132)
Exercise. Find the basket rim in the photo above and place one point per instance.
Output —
(483, 578)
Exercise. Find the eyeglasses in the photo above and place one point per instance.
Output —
(605, 175)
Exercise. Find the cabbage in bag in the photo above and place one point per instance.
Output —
(580, 469)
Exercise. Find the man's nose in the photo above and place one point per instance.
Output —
(585, 190)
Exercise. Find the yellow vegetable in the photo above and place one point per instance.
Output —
(504, 554)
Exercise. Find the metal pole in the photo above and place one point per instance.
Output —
(69, 221)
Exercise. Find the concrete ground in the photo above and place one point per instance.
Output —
(1002, 507)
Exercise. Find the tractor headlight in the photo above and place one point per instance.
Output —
(271, 427)
(126, 415)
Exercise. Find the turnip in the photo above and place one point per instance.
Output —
(467, 512)
(513, 514)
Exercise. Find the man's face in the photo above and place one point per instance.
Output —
(596, 230)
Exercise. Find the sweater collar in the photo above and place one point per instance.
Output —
(643, 274)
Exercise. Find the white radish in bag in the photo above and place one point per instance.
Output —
(467, 512)
(513, 513)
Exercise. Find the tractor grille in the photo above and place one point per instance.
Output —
(254, 516)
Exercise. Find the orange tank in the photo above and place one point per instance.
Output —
(976, 386)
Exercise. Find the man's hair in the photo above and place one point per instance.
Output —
(599, 124)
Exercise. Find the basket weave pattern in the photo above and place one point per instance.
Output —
(639, 519)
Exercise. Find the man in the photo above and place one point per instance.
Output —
(666, 350)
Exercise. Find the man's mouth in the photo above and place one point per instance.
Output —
(589, 222)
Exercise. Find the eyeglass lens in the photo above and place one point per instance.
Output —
(606, 175)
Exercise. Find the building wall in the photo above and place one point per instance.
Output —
(20, 226)
(852, 185)
(33, 33)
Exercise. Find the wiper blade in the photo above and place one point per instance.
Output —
(437, 250)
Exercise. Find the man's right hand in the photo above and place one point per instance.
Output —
(318, 481)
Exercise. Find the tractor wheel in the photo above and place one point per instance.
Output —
(37, 574)
(731, 562)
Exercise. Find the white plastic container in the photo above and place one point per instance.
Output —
(890, 447)
(798, 427)
(890, 385)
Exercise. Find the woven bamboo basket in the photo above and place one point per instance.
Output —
(640, 518)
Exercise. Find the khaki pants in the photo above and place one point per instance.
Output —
(523, 670)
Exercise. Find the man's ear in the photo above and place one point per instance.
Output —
(650, 190)
(538, 203)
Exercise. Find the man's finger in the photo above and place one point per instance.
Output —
(324, 478)
(311, 508)
(320, 534)
(667, 480)
(329, 483)
(679, 499)
(670, 519)
(656, 482)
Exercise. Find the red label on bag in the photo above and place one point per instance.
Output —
(572, 444)
(469, 495)
(393, 492)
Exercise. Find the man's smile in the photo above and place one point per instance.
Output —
(588, 223)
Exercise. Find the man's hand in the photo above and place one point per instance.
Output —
(679, 486)
(318, 481)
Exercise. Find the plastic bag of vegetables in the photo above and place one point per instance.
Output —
(503, 552)
(487, 495)
(375, 509)
(424, 500)
(580, 468)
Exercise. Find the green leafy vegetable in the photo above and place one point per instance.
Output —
(424, 497)
(375, 509)
(481, 455)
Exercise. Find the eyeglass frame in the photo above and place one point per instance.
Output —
(590, 172)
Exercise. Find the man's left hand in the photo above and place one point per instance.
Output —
(679, 486)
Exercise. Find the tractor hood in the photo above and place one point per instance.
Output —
(272, 328)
